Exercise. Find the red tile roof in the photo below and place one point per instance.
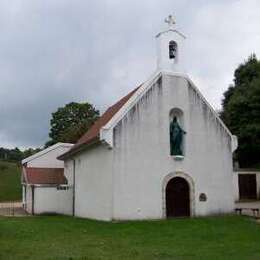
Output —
(92, 134)
(33, 175)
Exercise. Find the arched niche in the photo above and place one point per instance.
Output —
(179, 115)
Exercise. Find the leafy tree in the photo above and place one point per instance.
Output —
(30, 151)
(241, 111)
(3, 153)
(16, 154)
(11, 154)
(70, 122)
(73, 133)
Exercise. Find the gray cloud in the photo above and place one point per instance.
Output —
(55, 52)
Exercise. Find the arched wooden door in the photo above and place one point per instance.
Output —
(177, 198)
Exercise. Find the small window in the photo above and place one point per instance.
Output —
(172, 49)
(63, 187)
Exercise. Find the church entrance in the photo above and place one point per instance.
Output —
(177, 198)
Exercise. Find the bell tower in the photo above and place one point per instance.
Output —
(170, 43)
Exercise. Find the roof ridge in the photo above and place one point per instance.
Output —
(93, 132)
(45, 151)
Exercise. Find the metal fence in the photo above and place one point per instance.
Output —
(12, 208)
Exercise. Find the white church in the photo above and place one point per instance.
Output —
(161, 151)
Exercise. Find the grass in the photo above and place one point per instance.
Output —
(10, 182)
(60, 237)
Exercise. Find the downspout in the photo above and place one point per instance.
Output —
(32, 199)
(73, 192)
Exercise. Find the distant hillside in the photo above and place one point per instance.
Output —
(10, 181)
(16, 155)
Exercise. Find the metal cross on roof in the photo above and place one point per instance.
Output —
(170, 20)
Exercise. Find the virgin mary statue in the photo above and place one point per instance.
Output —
(176, 137)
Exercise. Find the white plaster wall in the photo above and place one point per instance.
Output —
(68, 171)
(93, 183)
(51, 200)
(142, 160)
(258, 184)
(23, 195)
(28, 199)
(236, 187)
(49, 159)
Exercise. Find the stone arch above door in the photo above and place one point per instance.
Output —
(189, 180)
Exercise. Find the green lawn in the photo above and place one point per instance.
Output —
(58, 237)
(10, 182)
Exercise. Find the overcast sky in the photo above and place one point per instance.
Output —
(55, 52)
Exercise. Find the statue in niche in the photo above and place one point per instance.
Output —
(176, 137)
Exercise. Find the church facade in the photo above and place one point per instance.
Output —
(161, 151)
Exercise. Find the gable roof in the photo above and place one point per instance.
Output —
(51, 176)
(103, 128)
(45, 151)
(92, 135)
(107, 130)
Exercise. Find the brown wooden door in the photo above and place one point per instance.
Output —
(247, 186)
(177, 198)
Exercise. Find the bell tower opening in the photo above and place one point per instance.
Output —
(170, 49)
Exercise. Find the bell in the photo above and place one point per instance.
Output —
(172, 54)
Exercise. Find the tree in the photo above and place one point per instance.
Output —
(16, 154)
(30, 151)
(241, 111)
(11, 154)
(70, 122)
